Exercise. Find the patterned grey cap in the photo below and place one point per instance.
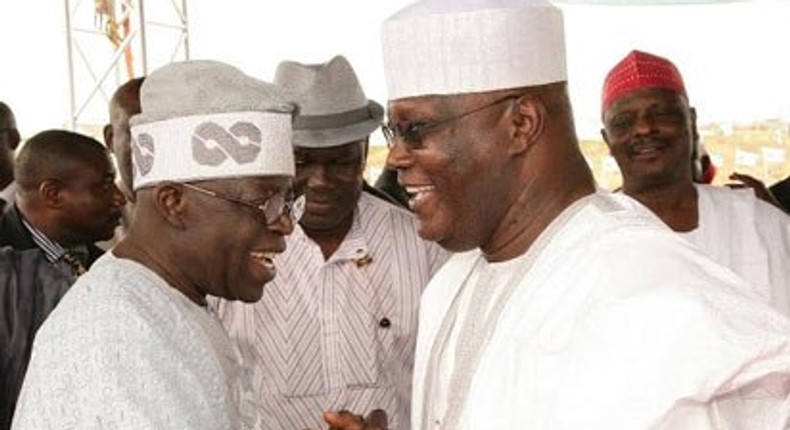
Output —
(206, 120)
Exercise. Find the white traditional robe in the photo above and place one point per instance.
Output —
(749, 236)
(124, 350)
(609, 322)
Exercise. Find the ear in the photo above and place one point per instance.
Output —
(605, 137)
(694, 131)
(50, 191)
(529, 123)
(107, 130)
(169, 203)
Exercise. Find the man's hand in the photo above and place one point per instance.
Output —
(760, 190)
(345, 420)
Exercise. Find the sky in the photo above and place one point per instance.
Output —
(733, 55)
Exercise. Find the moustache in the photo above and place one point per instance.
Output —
(642, 143)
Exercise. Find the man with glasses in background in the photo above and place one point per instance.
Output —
(133, 344)
(336, 328)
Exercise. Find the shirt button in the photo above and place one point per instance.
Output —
(385, 322)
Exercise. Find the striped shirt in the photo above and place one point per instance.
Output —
(339, 333)
(53, 250)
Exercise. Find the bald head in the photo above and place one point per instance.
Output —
(124, 104)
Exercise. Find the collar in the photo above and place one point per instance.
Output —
(354, 247)
(52, 250)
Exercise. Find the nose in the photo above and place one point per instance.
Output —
(644, 124)
(398, 157)
(284, 224)
(118, 197)
(316, 175)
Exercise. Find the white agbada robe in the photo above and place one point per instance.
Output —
(125, 350)
(749, 236)
(609, 322)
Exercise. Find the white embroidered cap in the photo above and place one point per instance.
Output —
(208, 120)
(442, 47)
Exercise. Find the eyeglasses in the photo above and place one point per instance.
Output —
(272, 209)
(413, 133)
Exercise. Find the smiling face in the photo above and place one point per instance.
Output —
(232, 246)
(456, 174)
(650, 133)
(331, 181)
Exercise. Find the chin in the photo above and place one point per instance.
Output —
(104, 236)
(318, 223)
(455, 246)
(435, 228)
(250, 296)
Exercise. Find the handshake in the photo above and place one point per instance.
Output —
(345, 420)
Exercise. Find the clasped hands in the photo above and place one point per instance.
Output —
(345, 420)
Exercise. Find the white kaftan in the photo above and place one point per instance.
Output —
(124, 350)
(748, 235)
(609, 322)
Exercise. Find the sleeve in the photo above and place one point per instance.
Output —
(29, 288)
(10, 378)
(773, 227)
(681, 347)
(105, 367)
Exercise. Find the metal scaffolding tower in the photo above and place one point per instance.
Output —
(112, 41)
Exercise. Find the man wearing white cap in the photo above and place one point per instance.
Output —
(337, 328)
(566, 307)
(133, 345)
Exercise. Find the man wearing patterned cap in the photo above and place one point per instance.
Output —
(343, 308)
(651, 130)
(566, 307)
(132, 344)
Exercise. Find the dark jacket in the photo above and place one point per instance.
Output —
(30, 288)
(14, 234)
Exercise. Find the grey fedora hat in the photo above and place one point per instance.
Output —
(332, 108)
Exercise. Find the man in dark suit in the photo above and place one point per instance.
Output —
(66, 200)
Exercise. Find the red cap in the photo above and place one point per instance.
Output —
(640, 70)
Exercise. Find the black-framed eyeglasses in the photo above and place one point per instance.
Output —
(272, 209)
(413, 133)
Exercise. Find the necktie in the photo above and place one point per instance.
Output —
(74, 262)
